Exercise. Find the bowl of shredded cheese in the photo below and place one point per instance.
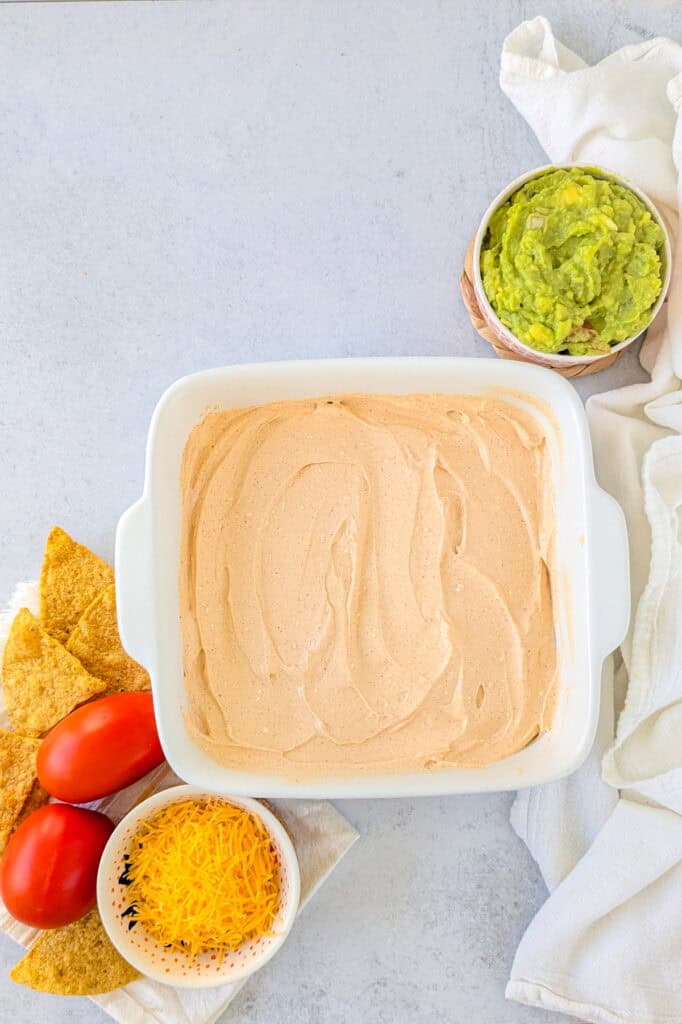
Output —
(196, 889)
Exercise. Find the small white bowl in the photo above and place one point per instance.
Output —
(149, 956)
(501, 331)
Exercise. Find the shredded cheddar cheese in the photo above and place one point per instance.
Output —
(203, 876)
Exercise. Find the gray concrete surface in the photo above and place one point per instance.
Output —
(191, 184)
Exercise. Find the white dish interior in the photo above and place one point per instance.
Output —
(590, 586)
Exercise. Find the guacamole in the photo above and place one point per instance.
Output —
(572, 263)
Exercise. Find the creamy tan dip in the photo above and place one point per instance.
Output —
(364, 584)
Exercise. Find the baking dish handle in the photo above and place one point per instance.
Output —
(133, 575)
(610, 573)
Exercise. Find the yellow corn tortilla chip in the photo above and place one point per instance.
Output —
(71, 578)
(41, 680)
(97, 645)
(78, 960)
(38, 797)
(17, 780)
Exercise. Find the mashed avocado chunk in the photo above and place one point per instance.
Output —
(573, 263)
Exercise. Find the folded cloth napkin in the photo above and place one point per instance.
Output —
(607, 945)
(320, 835)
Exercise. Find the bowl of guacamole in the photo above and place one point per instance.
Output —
(573, 262)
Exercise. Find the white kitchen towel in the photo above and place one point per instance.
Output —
(606, 946)
(320, 835)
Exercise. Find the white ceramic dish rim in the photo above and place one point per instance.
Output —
(155, 803)
(147, 564)
(556, 358)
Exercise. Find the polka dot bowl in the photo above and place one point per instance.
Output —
(148, 955)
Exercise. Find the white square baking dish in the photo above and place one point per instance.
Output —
(590, 588)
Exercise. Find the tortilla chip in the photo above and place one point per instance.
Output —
(17, 779)
(71, 578)
(78, 960)
(41, 680)
(38, 797)
(97, 645)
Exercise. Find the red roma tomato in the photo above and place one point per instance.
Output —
(100, 747)
(48, 872)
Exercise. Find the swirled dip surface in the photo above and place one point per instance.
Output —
(364, 584)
